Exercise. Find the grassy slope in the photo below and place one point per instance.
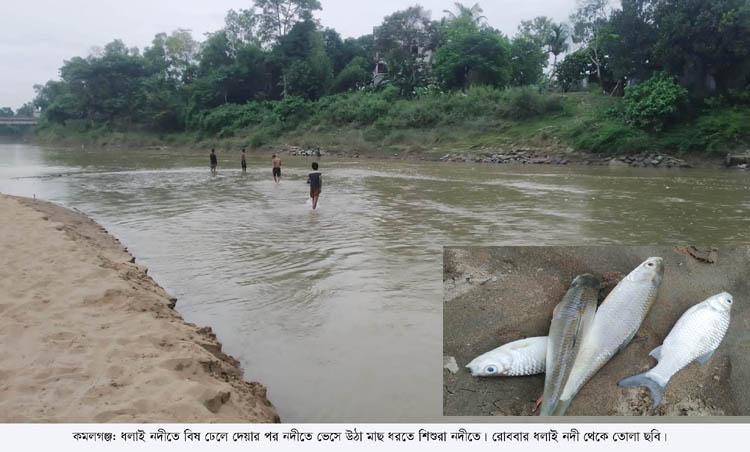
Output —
(584, 124)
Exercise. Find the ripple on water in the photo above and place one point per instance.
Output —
(338, 311)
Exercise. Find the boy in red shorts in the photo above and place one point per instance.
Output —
(315, 179)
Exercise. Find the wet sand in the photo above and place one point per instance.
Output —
(88, 336)
(496, 295)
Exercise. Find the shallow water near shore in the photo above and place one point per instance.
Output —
(339, 311)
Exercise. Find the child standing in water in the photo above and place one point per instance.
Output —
(213, 161)
(244, 162)
(276, 168)
(315, 179)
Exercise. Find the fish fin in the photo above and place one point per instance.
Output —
(561, 407)
(627, 342)
(638, 339)
(705, 357)
(644, 379)
(656, 353)
(587, 318)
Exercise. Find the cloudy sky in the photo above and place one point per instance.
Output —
(37, 35)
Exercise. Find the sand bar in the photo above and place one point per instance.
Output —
(87, 336)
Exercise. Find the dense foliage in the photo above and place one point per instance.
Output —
(654, 102)
(272, 68)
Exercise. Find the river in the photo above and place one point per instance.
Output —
(339, 310)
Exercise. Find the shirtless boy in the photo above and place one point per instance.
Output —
(276, 168)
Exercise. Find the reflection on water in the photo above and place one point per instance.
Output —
(338, 311)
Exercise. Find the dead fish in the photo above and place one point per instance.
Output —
(570, 320)
(615, 323)
(522, 357)
(695, 336)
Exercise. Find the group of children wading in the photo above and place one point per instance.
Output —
(315, 178)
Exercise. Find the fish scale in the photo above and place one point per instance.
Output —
(614, 326)
(521, 357)
(526, 363)
(695, 336)
(571, 319)
(608, 322)
(703, 327)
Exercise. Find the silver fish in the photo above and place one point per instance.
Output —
(695, 336)
(570, 321)
(614, 326)
(522, 357)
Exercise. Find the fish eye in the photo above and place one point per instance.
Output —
(490, 369)
(650, 264)
(729, 300)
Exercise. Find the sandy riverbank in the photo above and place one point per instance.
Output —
(87, 336)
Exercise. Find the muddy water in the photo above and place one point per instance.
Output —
(338, 311)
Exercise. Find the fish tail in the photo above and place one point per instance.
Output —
(561, 407)
(645, 379)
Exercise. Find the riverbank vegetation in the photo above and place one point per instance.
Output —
(668, 75)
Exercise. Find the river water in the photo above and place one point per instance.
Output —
(339, 310)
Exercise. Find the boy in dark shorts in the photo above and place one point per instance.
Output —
(315, 179)
(244, 161)
(276, 168)
(213, 161)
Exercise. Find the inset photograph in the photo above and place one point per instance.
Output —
(596, 331)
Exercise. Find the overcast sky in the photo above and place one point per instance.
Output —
(37, 35)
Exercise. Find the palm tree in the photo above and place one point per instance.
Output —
(473, 13)
(557, 41)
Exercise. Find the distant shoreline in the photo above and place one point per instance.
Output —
(508, 155)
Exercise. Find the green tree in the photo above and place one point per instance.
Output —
(6, 112)
(706, 44)
(405, 40)
(277, 17)
(335, 49)
(216, 52)
(355, 75)
(527, 61)
(472, 56)
(573, 69)
(181, 55)
(26, 110)
(589, 27)
(307, 70)
(629, 41)
(242, 28)
(473, 13)
(537, 29)
(557, 41)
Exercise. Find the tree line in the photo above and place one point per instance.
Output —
(661, 55)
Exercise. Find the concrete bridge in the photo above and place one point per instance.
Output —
(18, 121)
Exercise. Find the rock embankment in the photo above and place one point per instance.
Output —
(530, 156)
(305, 152)
(650, 160)
(739, 161)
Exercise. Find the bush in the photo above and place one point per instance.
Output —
(259, 138)
(292, 110)
(609, 137)
(527, 102)
(655, 102)
(361, 108)
(390, 93)
(714, 131)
